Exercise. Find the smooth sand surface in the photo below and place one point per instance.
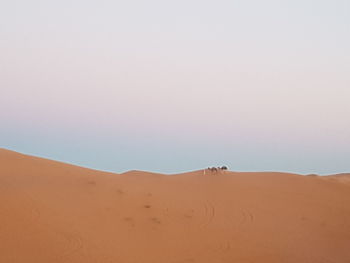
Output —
(342, 178)
(55, 212)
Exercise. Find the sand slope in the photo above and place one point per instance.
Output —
(341, 178)
(54, 212)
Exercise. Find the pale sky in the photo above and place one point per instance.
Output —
(170, 86)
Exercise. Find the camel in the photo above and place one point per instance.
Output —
(212, 169)
(216, 169)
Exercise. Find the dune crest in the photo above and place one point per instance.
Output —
(56, 212)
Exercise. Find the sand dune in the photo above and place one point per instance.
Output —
(341, 178)
(55, 212)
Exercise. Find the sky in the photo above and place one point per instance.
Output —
(172, 86)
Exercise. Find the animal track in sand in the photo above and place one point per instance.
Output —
(225, 246)
(35, 213)
(238, 220)
(120, 191)
(74, 241)
(205, 216)
(247, 216)
(209, 214)
(91, 182)
(156, 220)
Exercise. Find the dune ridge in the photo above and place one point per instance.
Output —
(57, 212)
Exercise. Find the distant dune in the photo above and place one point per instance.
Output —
(51, 212)
(341, 178)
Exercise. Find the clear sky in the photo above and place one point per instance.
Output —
(171, 86)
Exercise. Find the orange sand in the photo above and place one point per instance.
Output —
(54, 212)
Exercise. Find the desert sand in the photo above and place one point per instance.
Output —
(56, 212)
